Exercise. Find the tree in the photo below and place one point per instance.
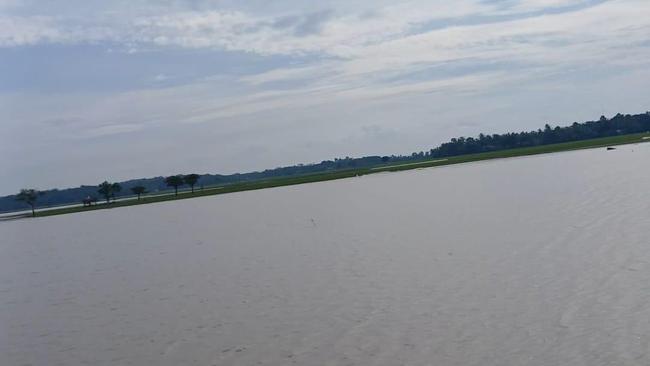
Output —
(108, 190)
(139, 190)
(191, 180)
(29, 196)
(174, 181)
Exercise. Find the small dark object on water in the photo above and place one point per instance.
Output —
(611, 148)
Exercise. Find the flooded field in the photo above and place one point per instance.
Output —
(541, 260)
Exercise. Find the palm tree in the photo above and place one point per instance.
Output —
(29, 196)
(174, 181)
(139, 190)
(191, 180)
(108, 190)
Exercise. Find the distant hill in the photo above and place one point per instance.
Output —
(604, 127)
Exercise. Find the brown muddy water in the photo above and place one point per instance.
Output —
(540, 260)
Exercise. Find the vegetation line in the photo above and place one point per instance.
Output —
(619, 125)
(107, 188)
(409, 164)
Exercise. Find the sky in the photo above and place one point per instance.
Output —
(114, 90)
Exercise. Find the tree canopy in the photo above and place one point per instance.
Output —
(191, 180)
(618, 125)
(175, 181)
(29, 196)
(108, 190)
(139, 190)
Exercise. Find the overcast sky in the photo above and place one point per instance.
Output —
(95, 90)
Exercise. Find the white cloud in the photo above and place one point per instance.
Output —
(21, 31)
(587, 35)
(290, 74)
(601, 34)
(337, 33)
(363, 47)
(535, 5)
(366, 50)
(161, 78)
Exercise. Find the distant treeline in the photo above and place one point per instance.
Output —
(618, 125)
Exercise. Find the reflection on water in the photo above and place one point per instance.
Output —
(530, 261)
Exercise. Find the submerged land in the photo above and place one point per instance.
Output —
(539, 260)
(348, 173)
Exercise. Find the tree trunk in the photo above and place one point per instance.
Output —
(175, 191)
(33, 212)
(192, 189)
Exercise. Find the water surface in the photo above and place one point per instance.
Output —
(539, 260)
